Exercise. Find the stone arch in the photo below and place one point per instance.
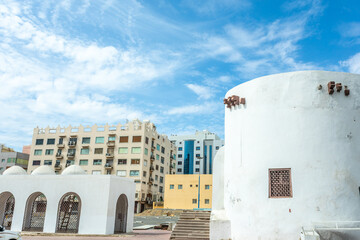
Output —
(7, 205)
(69, 210)
(35, 211)
(121, 214)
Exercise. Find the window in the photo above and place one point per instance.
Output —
(207, 187)
(161, 179)
(197, 148)
(99, 140)
(157, 167)
(121, 173)
(70, 162)
(134, 173)
(280, 183)
(123, 150)
(179, 155)
(85, 140)
(50, 141)
(162, 169)
(111, 139)
(37, 152)
(39, 142)
(171, 186)
(61, 140)
(146, 151)
(98, 151)
(136, 150)
(84, 151)
(47, 162)
(179, 148)
(83, 162)
(146, 140)
(197, 155)
(197, 162)
(2, 160)
(179, 163)
(162, 150)
(49, 151)
(179, 170)
(124, 139)
(190, 185)
(207, 201)
(96, 172)
(158, 147)
(157, 157)
(145, 163)
(217, 147)
(156, 177)
(160, 189)
(194, 201)
(122, 161)
(97, 162)
(162, 160)
(144, 173)
(36, 162)
(136, 139)
(197, 170)
(135, 161)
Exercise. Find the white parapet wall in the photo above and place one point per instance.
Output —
(104, 203)
(291, 123)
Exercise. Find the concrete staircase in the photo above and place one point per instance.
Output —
(192, 225)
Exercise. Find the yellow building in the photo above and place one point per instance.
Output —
(181, 191)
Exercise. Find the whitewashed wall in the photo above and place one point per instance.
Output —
(98, 194)
(288, 123)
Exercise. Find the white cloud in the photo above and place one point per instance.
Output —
(202, 91)
(353, 63)
(206, 108)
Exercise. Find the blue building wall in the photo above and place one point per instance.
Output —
(189, 157)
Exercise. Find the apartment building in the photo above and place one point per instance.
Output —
(188, 191)
(195, 153)
(9, 157)
(133, 150)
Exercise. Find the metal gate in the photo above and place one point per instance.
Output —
(69, 214)
(35, 221)
(9, 211)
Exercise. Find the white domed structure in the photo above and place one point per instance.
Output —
(73, 170)
(15, 170)
(43, 170)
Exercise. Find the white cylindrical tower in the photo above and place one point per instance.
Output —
(292, 154)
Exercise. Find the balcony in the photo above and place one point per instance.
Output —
(85, 145)
(58, 167)
(110, 155)
(152, 168)
(71, 155)
(153, 148)
(72, 144)
(152, 158)
(60, 145)
(59, 156)
(111, 144)
(108, 166)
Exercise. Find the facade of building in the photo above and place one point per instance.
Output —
(73, 202)
(26, 149)
(182, 191)
(290, 166)
(9, 158)
(195, 153)
(133, 150)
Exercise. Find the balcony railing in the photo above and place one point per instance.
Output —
(109, 155)
(60, 145)
(108, 166)
(71, 155)
(110, 144)
(59, 156)
(58, 167)
(72, 144)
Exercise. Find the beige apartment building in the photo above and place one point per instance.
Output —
(133, 150)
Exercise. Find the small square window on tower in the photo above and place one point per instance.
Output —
(280, 183)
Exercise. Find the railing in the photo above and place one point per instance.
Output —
(109, 155)
(158, 205)
(108, 166)
(111, 144)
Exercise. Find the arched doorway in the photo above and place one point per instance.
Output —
(7, 204)
(69, 213)
(121, 214)
(35, 210)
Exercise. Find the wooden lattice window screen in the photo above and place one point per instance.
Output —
(280, 183)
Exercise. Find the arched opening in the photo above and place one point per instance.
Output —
(121, 214)
(7, 204)
(69, 213)
(35, 210)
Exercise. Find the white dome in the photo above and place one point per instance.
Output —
(14, 170)
(73, 170)
(43, 170)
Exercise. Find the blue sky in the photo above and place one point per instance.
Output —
(171, 62)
